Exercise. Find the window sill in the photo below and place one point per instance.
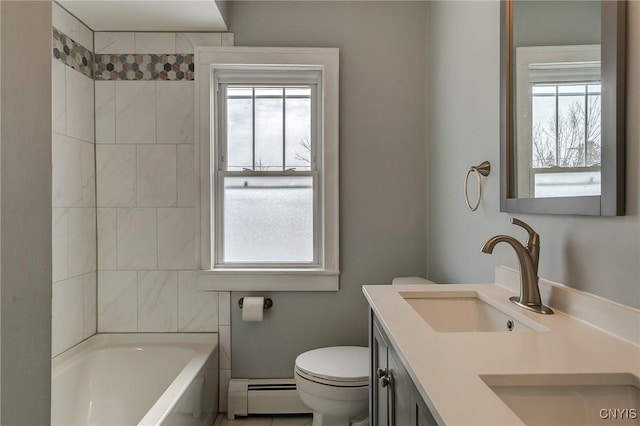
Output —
(268, 280)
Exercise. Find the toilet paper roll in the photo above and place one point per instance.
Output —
(252, 308)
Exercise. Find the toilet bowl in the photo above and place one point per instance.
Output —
(334, 383)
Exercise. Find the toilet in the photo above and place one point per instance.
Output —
(334, 383)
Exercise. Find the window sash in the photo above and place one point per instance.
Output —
(219, 262)
(265, 79)
(587, 96)
(315, 121)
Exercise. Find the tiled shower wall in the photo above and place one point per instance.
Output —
(146, 190)
(73, 198)
(124, 237)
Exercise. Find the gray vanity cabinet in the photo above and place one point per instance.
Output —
(394, 400)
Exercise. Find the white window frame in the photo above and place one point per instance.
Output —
(536, 64)
(322, 276)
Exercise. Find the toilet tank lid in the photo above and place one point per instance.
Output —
(340, 363)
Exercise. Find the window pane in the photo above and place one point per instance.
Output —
(268, 219)
(571, 131)
(543, 131)
(569, 184)
(541, 89)
(269, 124)
(577, 89)
(298, 128)
(239, 128)
(594, 142)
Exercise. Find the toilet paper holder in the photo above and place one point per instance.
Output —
(268, 303)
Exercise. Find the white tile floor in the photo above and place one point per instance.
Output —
(289, 420)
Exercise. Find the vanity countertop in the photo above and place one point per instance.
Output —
(446, 367)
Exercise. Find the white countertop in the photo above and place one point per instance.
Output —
(446, 367)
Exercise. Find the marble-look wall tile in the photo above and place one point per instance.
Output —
(157, 176)
(116, 175)
(135, 111)
(136, 239)
(225, 346)
(175, 111)
(157, 301)
(73, 183)
(88, 175)
(80, 110)
(186, 42)
(73, 179)
(65, 22)
(210, 392)
(228, 39)
(117, 301)
(105, 112)
(59, 242)
(197, 310)
(66, 163)
(154, 43)
(58, 98)
(67, 314)
(82, 240)
(176, 238)
(114, 42)
(107, 239)
(225, 377)
(224, 308)
(89, 292)
(62, 20)
(186, 176)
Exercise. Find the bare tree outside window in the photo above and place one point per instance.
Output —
(305, 157)
(575, 130)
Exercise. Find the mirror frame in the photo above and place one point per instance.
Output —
(611, 202)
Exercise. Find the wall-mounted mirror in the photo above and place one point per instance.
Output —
(562, 106)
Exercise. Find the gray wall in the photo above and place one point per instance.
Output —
(597, 255)
(382, 168)
(25, 237)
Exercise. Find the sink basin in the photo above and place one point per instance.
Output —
(570, 399)
(466, 311)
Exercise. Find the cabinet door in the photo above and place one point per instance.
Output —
(425, 418)
(379, 394)
(402, 403)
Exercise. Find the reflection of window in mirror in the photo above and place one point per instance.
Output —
(558, 124)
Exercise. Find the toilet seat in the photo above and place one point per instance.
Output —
(338, 366)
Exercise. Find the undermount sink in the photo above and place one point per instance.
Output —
(570, 399)
(465, 311)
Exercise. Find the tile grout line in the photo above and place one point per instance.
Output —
(95, 169)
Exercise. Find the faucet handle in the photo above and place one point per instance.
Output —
(534, 237)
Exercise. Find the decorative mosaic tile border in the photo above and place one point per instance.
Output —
(123, 66)
(72, 53)
(144, 67)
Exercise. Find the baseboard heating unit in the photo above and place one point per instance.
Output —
(264, 396)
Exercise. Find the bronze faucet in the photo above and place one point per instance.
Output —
(528, 258)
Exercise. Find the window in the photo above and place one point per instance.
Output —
(558, 121)
(268, 172)
(565, 139)
(268, 154)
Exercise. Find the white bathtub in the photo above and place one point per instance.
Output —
(137, 379)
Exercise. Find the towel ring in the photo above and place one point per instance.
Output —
(482, 169)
